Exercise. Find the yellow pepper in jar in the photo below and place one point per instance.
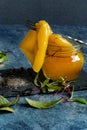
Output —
(62, 59)
(28, 45)
(35, 43)
(52, 53)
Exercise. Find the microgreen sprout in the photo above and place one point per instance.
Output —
(3, 56)
(56, 86)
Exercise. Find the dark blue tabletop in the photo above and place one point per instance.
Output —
(64, 116)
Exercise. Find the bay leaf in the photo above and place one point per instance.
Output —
(14, 101)
(7, 109)
(81, 100)
(3, 102)
(43, 104)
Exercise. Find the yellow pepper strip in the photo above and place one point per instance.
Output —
(57, 39)
(35, 43)
(28, 45)
(43, 32)
(57, 43)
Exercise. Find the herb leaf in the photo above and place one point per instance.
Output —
(7, 109)
(14, 101)
(44, 104)
(43, 85)
(36, 80)
(3, 55)
(81, 100)
(59, 88)
(72, 93)
(4, 103)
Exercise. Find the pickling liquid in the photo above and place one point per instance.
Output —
(63, 62)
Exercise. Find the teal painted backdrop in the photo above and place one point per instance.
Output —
(54, 11)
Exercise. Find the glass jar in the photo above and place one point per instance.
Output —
(63, 62)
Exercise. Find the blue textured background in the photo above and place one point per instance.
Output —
(54, 11)
(64, 116)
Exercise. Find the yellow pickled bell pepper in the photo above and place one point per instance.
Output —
(57, 39)
(28, 45)
(56, 45)
(58, 42)
(43, 33)
(35, 43)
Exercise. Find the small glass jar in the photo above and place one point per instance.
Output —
(63, 62)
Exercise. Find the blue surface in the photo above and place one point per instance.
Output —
(55, 12)
(64, 116)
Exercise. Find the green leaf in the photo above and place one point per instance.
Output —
(44, 90)
(81, 100)
(60, 81)
(7, 109)
(44, 104)
(72, 93)
(54, 87)
(3, 56)
(14, 101)
(36, 80)
(3, 102)
(46, 81)
(43, 87)
(44, 84)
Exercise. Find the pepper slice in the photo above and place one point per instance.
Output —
(28, 45)
(58, 40)
(43, 33)
(35, 43)
(56, 43)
